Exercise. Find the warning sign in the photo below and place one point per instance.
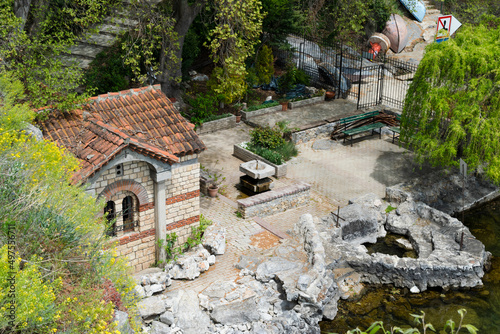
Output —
(446, 26)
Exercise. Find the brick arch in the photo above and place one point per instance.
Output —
(126, 185)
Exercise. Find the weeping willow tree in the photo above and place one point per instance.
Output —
(452, 108)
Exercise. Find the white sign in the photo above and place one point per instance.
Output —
(446, 26)
(463, 168)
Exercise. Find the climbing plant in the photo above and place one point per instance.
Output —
(452, 107)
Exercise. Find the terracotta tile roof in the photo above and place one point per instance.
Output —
(144, 120)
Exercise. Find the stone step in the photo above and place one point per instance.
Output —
(86, 50)
(100, 39)
(433, 11)
(111, 29)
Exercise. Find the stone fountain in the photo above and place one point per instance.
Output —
(256, 176)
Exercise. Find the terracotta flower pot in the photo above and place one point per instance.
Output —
(329, 95)
(284, 106)
(212, 191)
(238, 118)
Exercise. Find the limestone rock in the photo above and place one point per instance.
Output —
(189, 316)
(214, 239)
(159, 328)
(167, 318)
(185, 268)
(236, 313)
(151, 306)
(123, 326)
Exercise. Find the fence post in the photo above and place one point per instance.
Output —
(339, 79)
(359, 81)
(381, 80)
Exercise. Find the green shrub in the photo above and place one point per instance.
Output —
(264, 65)
(203, 107)
(107, 73)
(292, 77)
(267, 137)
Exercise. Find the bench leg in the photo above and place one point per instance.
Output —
(393, 135)
(351, 141)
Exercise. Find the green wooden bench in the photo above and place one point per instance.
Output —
(370, 127)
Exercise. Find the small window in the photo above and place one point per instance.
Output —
(128, 214)
(119, 170)
(109, 209)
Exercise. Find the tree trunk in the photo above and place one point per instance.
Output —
(184, 15)
(21, 10)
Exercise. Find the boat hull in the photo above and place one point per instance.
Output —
(416, 8)
(395, 30)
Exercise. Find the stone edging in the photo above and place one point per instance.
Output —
(306, 102)
(271, 202)
(218, 124)
(246, 115)
(245, 155)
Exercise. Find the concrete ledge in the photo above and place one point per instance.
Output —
(219, 124)
(306, 102)
(246, 115)
(245, 155)
(275, 201)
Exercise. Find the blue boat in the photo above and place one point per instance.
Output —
(416, 8)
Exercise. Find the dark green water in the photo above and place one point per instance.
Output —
(394, 305)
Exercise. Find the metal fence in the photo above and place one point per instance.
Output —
(349, 72)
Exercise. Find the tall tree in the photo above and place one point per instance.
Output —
(168, 23)
(34, 34)
(452, 108)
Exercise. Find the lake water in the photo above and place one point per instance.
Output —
(394, 305)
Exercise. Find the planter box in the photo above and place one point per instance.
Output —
(245, 155)
(306, 102)
(249, 114)
(219, 124)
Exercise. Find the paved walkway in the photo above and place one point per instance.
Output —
(336, 172)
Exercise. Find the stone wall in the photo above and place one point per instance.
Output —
(245, 155)
(322, 130)
(274, 201)
(306, 102)
(183, 199)
(138, 244)
(246, 115)
(219, 124)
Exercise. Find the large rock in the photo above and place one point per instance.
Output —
(268, 270)
(185, 268)
(214, 239)
(151, 306)
(159, 328)
(359, 224)
(236, 313)
(189, 317)
(123, 325)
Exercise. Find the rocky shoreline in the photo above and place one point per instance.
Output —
(292, 291)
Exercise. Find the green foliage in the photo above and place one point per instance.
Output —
(264, 65)
(263, 105)
(238, 25)
(203, 106)
(452, 109)
(35, 308)
(389, 209)
(32, 50)
(107, 72)
(55, 232)
(292, 77)
(267, 137)
(190, 51)
(269, 143)
(170, 244)
(283, 17)
(152, 46)
(378, 326)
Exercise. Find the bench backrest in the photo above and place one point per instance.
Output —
(359, 117)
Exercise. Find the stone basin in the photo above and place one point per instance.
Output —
(257, 169)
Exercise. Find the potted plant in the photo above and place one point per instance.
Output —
(239, 107)
(216, 180)
(284, 104)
